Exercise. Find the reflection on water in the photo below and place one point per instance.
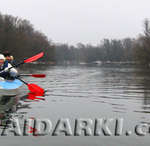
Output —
(7, 106)
(11, 106)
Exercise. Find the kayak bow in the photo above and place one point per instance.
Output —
(10, 88)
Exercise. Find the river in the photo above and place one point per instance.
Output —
(86, 92)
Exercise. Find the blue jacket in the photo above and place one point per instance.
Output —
(5, 75)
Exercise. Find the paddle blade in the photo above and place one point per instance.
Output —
(31, 96)
(34, 58)
(38, 75)
(35, 89)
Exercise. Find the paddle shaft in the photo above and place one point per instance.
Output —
(33, 88)
(34, 75)
(22, 81)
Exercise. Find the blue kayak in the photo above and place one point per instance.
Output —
(9, 88)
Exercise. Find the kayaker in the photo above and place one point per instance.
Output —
(9, 57)
(5, 72)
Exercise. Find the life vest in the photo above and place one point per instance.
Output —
(5, 75)
(4, 65)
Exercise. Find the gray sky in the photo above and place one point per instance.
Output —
(86, 21)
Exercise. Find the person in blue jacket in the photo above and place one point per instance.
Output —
(5, 71)
(9, 57)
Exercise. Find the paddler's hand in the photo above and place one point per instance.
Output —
(6, 69)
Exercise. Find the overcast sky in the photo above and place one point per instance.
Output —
(86, 21)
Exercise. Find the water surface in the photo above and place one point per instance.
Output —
(86, 92)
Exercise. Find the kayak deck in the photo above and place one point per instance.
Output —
(8, 87)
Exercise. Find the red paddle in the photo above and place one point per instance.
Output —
(34, 75)
(34, 58)
(33, 88)
(31, 59)
(31, 96)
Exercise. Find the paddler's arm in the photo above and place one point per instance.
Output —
(13, 72)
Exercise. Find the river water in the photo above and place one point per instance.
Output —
(85, 92)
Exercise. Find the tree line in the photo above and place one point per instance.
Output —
(19, 37)
(109, 50)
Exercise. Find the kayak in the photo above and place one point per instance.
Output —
(10, 87)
